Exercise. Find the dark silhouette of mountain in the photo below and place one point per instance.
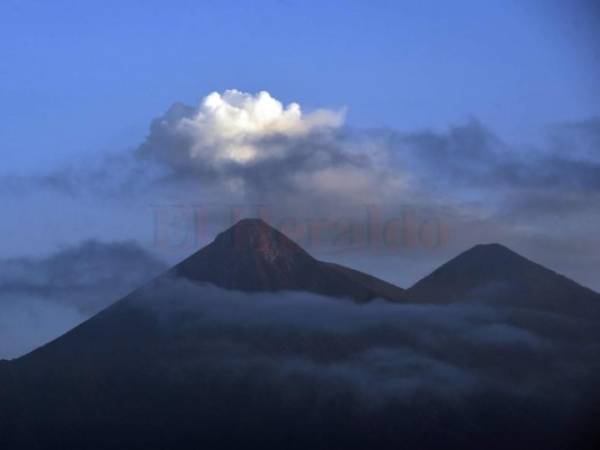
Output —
(149, 372)
(493, 273)
(251, 256)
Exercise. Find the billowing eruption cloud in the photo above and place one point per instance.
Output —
(227, 127)
(232, 128)
(256, 148)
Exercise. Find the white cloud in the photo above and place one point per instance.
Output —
(252, 148)
(228, 127)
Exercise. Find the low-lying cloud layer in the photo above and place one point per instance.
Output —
(533, 372)
(462, 346)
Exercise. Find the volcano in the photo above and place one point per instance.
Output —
(492, 273)
(252, 256)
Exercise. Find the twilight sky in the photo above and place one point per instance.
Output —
(132, 131)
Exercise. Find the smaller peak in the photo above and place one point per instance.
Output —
(490, 251)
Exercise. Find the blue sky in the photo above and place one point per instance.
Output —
(86, 76)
